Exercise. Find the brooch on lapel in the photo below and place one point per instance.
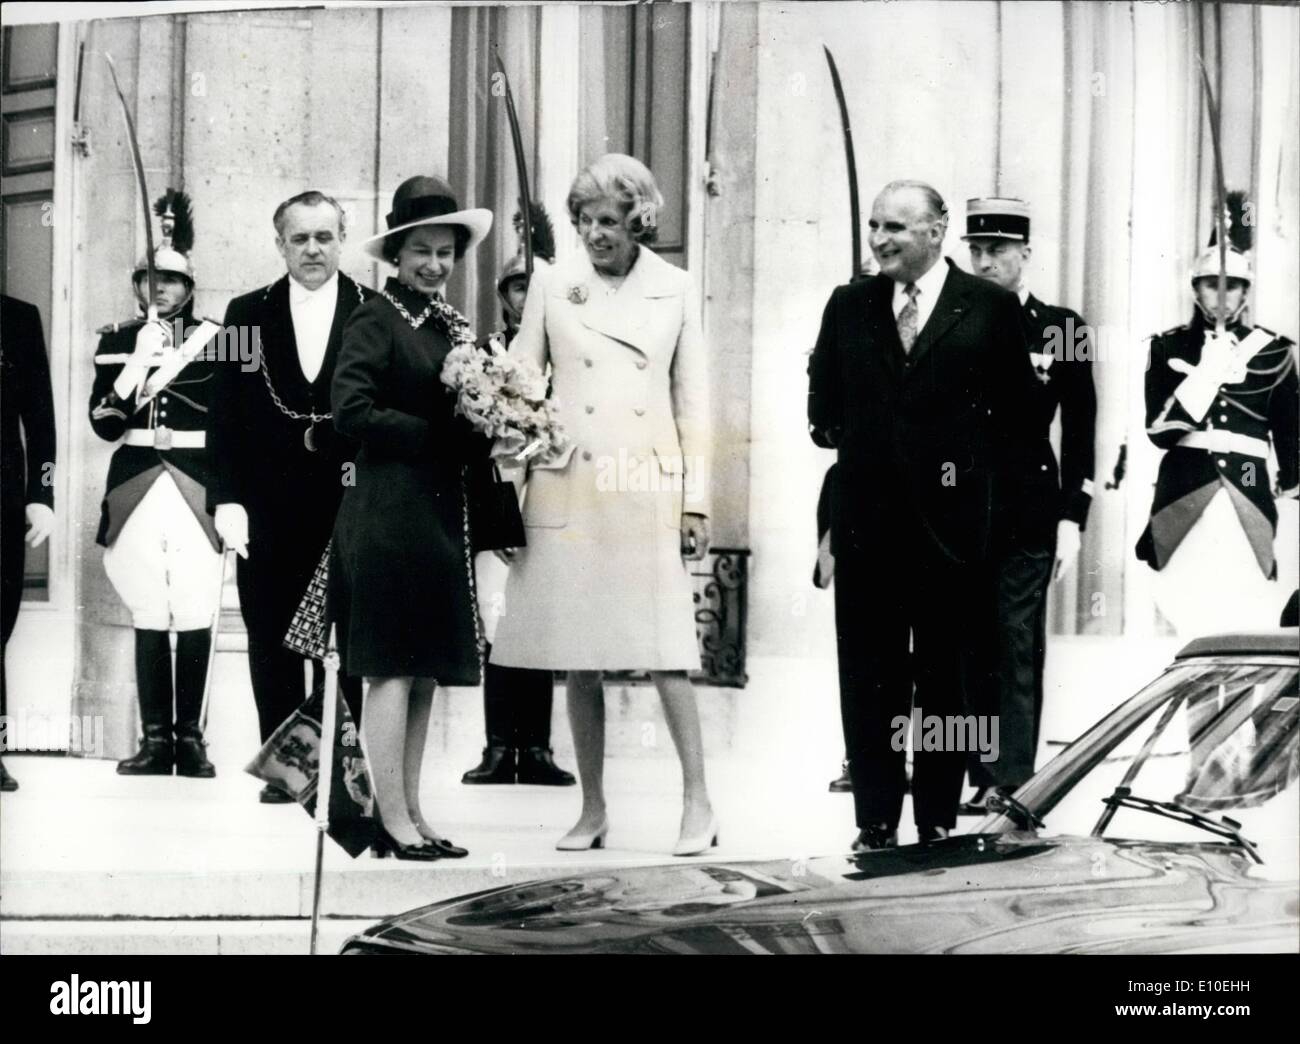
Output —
(578, 293)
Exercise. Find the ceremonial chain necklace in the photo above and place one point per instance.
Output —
(308, 435)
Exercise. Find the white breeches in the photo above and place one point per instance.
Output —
(162, 565)
(1213, 582)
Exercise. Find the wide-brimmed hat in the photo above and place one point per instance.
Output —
(424, 200)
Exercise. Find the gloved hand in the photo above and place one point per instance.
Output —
(40, 521)
(151, 340)
(1219, 356)
(231, 521)
(1068, 540)
(1221, 363)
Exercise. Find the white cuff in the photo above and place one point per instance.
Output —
(127, 383)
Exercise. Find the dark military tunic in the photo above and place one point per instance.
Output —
(182, 406)
(1263, 407)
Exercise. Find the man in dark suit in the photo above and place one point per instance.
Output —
(27, 446)
(914, 380)
(279, 465)
(1045, 515)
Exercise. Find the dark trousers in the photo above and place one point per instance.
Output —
(902, 590)
(270, 588)
(13, 553)
(1019, 645)
(517, 705)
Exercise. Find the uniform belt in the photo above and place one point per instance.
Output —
(165, 438)
(1217, 440)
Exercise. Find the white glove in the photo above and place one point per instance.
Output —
(151, 340)
(1068, 541)
(1220, 357)
(40, 519)
(231, 521)
(1221, 363)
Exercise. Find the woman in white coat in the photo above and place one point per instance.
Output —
(602, 584)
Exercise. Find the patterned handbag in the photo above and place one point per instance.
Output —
(308, 633)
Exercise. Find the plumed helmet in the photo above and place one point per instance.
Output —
(543, 240)
(1237, 265)
(173, 251)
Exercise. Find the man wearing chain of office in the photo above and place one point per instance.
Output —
(279, 465)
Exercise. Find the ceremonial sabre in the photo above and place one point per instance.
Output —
(151, 307)
(855, 211)
(521, 169)
(1221, 198)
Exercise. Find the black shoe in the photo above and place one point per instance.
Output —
(975, 806)
(7, 782)
(445, 848)
(497, 766)
(386, 845)
(155, 756)
(273, 795)
(537, 766)
(926, 834)
(843, 785)
(191, 753)
(874, 837)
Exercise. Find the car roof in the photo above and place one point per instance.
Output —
(1284, 641)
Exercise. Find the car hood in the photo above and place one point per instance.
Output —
(1003, 893)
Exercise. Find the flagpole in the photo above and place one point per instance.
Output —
(325, 776)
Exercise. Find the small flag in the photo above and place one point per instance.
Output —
(291, 760)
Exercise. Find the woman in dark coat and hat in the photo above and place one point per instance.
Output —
(401, 584)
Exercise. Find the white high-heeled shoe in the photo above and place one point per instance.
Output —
(698, 843)
(574, 841)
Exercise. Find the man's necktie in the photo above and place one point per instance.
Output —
(907, 318)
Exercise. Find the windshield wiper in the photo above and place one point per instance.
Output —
(1015, 810)
(1123, 797)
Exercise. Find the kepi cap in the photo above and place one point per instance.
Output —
(997, 217)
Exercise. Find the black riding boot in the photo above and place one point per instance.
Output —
(498, 764)
(533, 692)
(192, 651)
(153, 683)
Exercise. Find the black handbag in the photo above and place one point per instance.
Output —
(493, 507)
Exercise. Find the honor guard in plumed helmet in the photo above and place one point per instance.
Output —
(512, 286)
(516, 700)
(153, 382)
(1221, 401)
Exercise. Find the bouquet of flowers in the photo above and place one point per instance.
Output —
(506, 399)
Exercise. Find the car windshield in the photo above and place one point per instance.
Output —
(1209, 738)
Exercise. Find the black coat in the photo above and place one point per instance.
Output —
(1264, 406)
(923, 439)
(183, 406)
(1060, 340)
(26, 408)
(259, 456)
(401, 575)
